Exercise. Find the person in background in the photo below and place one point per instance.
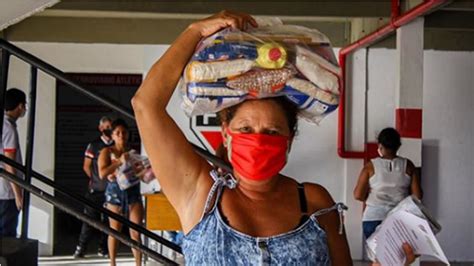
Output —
(11, 195)
(385, 181)
(96, 188)
(117, 200)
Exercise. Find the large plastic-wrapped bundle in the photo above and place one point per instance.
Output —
(136, 168)
(271, 60)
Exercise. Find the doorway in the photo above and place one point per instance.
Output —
(77, 118)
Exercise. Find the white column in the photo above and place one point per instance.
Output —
(355, 134)
(409, 89)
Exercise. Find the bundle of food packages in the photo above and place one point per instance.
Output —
(136, 168)
(268, 61)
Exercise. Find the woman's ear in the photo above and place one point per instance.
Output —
(224, 127)
(290, 142)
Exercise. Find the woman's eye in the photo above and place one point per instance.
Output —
(272, 132)
(245, 130)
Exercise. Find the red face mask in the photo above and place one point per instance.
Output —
(257, 156)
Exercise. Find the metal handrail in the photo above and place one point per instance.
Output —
(35, 63)
(84, 218)
(93, 205)
(58, 74)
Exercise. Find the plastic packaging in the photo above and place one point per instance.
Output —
(136, 168)
(268, 61)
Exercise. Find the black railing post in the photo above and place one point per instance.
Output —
(3, 85)
(30, 136)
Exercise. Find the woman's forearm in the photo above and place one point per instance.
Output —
(160, 82)
(109, 169)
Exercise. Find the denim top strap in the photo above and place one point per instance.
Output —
(220, 182)
(213, 242)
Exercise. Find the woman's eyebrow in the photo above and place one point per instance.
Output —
(275, 126)
(240, 121)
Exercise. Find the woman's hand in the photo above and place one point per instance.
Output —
(409, 254)
(19, 201)
(111, 178)
(223, 19)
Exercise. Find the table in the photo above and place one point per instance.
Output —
(159, 214)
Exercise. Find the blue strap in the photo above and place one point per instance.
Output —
(340, 207)
(220, 181)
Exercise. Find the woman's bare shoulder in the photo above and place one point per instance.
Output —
(318, 197)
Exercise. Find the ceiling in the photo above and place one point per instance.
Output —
(345, 8)
(159, 22)
(13, 12)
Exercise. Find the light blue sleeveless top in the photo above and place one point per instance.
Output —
(214, 242)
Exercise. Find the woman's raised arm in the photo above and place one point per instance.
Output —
(180, 171)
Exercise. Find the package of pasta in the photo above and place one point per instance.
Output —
(270, 60)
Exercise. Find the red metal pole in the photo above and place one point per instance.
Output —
(377, 35)
(341, 117)
(395, 9)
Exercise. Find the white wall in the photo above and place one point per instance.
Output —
(448, 144)
(381, 92)
(448, 136)
(448, 130)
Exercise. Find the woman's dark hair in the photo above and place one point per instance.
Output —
(119, 122)
(290, 110)
(390, 139)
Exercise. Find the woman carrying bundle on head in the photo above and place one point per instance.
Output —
(233, 218)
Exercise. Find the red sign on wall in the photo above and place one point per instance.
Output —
(208, 131)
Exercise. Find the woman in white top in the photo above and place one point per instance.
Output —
(385, 181)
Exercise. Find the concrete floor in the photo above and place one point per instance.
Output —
(423, 263)
(59, 261)
(89, 261)
(94, 260)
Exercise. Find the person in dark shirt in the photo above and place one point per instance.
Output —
(96, 188)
